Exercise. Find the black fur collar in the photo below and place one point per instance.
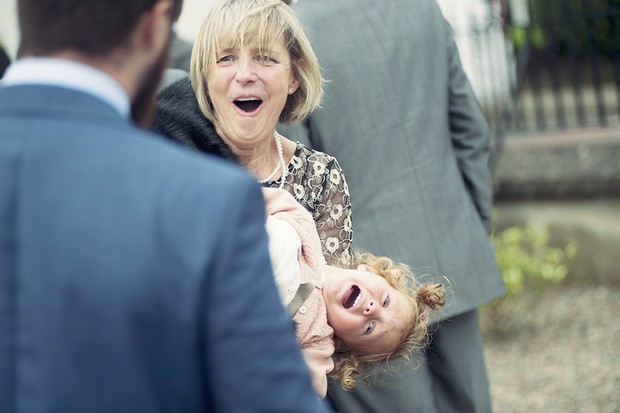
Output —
(179, 118)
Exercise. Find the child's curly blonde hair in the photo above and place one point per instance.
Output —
(351, 365)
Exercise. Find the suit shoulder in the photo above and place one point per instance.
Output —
(159, 162)
(159, 145)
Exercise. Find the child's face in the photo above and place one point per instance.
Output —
(365, 311)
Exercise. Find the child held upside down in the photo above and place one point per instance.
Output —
(346, 318)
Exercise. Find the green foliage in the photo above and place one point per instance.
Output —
(534, 35)
(529, 262)
(572, 26)
(525, 258)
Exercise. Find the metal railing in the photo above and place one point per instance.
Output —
(557, 68)
(572, 66)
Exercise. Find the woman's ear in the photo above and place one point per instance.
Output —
(292, 87)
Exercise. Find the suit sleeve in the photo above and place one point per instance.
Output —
(252, 359)
(470, 135)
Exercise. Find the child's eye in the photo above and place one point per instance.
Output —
(386, 302)
(370, 328)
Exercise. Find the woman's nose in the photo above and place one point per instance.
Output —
(371, 308)
(246, 70)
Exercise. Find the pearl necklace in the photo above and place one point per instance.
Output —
(280, 165)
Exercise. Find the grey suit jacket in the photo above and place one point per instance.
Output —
(180, 53)
(134, 275)
(401, 118)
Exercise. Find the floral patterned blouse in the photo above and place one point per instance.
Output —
(317, 182)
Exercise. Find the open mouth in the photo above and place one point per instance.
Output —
(248, 104)
(351, 297)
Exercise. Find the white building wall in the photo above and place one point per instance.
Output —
(9, 29)
(485, 52)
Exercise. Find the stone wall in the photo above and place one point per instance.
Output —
(568, 182)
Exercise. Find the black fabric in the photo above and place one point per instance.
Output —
(178, 117)
(5, 61)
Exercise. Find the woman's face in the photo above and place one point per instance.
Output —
(249, 88)
(366, 312)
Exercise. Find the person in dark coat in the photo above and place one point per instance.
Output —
(180, 53)
(284, 85)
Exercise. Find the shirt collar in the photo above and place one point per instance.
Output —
(68, 74)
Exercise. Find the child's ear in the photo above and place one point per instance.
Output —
(364, 267)
(424, 316)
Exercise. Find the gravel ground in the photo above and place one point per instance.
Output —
(559, 351)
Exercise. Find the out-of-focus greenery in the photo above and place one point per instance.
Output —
(572, 26)
(533, 35)
(527, 261)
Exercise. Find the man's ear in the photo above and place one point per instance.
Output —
(156, 26)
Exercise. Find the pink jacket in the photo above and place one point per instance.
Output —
(314, 335)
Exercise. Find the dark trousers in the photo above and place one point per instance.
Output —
(451, 377)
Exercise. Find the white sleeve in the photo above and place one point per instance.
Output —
(284, 250)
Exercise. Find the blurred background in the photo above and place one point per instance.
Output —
(547, 76)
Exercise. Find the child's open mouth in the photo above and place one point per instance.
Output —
(351, 297)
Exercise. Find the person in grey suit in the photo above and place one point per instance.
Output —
(400, 116)
(134, 274)
(180, 53)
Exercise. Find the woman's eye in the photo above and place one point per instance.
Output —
(370, 327)
(224, 59)
(265, 59)
(386, 302)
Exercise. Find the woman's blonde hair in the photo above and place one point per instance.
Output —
(239, 22)
(351, 365)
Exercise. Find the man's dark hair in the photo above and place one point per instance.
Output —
(92, 27)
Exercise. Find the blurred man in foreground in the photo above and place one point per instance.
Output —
(120, 288)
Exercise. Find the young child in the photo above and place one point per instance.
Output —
(347, 319)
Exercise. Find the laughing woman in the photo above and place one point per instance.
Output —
(252, 67)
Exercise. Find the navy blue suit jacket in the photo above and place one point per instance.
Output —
(134, 275)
